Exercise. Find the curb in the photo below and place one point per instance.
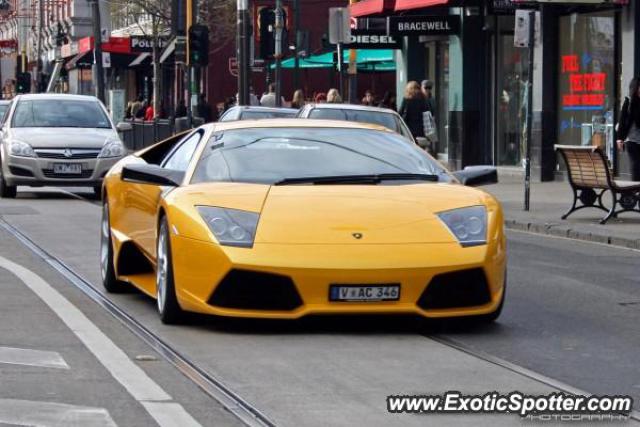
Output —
(568, 233)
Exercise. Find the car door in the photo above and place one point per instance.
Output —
(149, 195)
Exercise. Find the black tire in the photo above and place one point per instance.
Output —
(107, 269)
(7, 191)
(97, 191)
(167, 302)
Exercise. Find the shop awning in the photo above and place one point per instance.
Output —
(416, 4)
(370, 7)
(140, 59)
(368, 60)
(81, 60)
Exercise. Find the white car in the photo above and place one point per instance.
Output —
(357, 113)
(57, 139)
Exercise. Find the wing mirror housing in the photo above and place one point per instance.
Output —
(474, 176)
(152, 174)
(124, 127)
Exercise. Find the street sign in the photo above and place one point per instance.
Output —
(106, 59)
(521, 30)
(423, 25)
(233, 66)
(339, 25)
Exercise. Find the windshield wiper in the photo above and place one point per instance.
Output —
(358, 179)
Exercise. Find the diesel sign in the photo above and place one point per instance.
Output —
(372, 41)
(424, 25)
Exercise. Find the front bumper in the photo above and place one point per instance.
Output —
(35, 171)
(200, 267)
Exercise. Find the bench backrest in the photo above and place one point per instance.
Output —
(586, 166)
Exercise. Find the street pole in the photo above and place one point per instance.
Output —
(340, 74)
(188, 67)
(97, 50)
(353, 72)
(39, 48)
(278, 53)
(527, 160)
(243, 52)
(296, 20)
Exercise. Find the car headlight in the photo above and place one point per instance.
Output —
(469, 225)
(231, 227)
(112, 149)
(21, 149)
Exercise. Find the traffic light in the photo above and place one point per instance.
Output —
(199, 45)
(23, 83)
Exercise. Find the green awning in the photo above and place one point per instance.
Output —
(367, 60)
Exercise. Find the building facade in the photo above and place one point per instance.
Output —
(584, 56)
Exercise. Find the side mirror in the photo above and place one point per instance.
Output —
(151, 174)
(124, 127)
(477, 175)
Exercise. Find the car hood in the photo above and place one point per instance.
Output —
(344, 214)
(63, 137)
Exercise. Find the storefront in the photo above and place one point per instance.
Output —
(481, 78)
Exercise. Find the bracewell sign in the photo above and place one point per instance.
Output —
(423, 25)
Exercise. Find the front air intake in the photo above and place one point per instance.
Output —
(465, 288)
(253, 290)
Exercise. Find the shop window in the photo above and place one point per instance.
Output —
(586, 79)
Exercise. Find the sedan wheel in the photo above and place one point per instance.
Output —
(7, 191)
(168, 307)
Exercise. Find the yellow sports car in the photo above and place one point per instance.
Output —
(288, 217)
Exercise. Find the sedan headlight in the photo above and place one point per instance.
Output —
(21, 149)
(469, 225)
(231, 227)
(112, 149)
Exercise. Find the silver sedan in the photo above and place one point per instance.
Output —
(57, 139)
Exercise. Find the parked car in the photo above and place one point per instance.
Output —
(357, 113)
(57, 139)
(253, 113)
(285, 218)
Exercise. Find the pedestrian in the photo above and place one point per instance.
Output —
(320, 98)
(412, 108)
(298, 99)
(269, 98)
(136, 106)
(149, 113)
(140, 112)
(629, 127)
(127, 113)
(427, 91)
(204, 109)
(388, 101)
(181, 109)
(369, 99)
(333, 96)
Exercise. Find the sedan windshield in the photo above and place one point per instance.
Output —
(59, 113)
(388, 120)
(255, 115)
(290, 155)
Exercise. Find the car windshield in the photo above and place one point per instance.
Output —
(59, 113)
(255, 115)
(273, 155)
(388, 120)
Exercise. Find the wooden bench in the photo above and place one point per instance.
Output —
(590, 179)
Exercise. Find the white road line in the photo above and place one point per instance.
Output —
(127, 373)
(39, 358)
(48, 414)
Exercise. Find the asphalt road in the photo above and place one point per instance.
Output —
(572, 315)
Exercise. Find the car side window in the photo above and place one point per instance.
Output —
(180, 157)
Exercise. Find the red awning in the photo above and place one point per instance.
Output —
(370, 7)
(416, 4)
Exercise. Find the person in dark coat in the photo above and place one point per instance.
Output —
(388, 101)
(629, 127)
(204, 109)
(412, 108)
(181, 109)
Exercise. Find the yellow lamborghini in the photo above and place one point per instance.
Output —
(290, 217)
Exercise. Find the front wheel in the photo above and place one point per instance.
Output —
(107, 270)
(7, 191)
(168, 307)
(493, 316)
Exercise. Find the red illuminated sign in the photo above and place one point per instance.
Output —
(587, 91)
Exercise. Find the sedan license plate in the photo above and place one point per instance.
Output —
(67, 168)
(364, 293)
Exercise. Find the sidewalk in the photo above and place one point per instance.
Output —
(549, 201)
